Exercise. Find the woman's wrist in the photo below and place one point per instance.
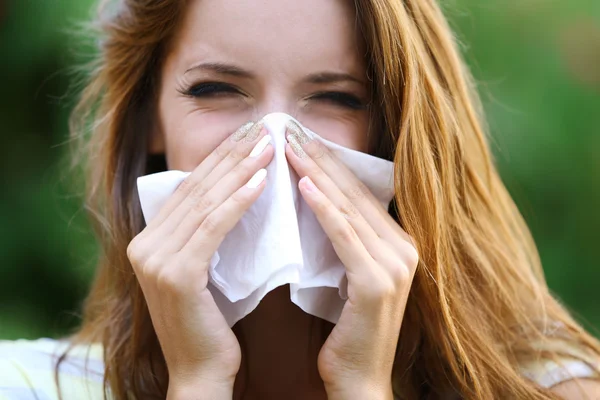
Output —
(201, 390)
(359, 389)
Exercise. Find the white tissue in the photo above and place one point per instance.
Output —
(279, 240)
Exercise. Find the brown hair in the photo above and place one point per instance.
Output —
(479, 302)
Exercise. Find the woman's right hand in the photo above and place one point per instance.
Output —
(171, 257)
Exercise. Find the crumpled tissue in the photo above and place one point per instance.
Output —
(278, 241)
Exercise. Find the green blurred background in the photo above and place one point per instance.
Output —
(538, 68)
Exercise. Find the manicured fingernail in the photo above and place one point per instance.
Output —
(254, 132)
(257, 178)
(296, 130)
(260, 146)
(242, 132)
(309, 185)
(293, 141)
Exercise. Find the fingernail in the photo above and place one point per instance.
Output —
(309, 185)
(295, 129)
(260, 146)
(257, 178)
(296, 147)
(254, 132)
(242, 132)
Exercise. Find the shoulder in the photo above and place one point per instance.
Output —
(565, 368)
(578, 389)
(27, 370)
(548, 372)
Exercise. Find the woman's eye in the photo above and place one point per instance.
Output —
(342, 99)
(211, 89)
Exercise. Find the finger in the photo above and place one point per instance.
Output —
(182, 224)
(344, 206)
(208, 237)
(253, 142)
(232, 147)
(310, 152)
(346, 242)
(238, 159)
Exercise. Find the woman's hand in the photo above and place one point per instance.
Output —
(356, 360)
(171, 257)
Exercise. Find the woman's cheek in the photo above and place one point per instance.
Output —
(191, 139)
(346, 129)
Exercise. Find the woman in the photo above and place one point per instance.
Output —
(172, 83)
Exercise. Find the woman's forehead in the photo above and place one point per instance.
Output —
(278, 36)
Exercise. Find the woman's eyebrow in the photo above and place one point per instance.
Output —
(222, 68)
(238, 72)
(332, 77)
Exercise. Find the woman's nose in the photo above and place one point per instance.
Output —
(276, 102)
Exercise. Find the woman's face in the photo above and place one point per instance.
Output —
(234, 61)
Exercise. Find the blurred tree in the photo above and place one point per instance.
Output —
(46, 251)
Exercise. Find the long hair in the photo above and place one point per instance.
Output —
(479, 303)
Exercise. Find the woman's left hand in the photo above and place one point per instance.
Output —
(356, 360)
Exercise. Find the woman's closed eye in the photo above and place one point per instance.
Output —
(220, 89)
(210, 89)
(340, 98)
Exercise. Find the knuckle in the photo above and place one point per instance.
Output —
(411, 256)
(322, 208)
(239, 169)
(222, 150)
(358, 191)
(381, 289)
(132, 251)
(314, 171)
(240, 199)
(167, 280)
(400, 275)
(237, 153)
(346, 234)
(349, 211)
(198, 192)
(135, 252)
(316, 150)
(210, 225)
(387, 289)
(153, 265)
(185, 186)
(203, 204)
(374, 291)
